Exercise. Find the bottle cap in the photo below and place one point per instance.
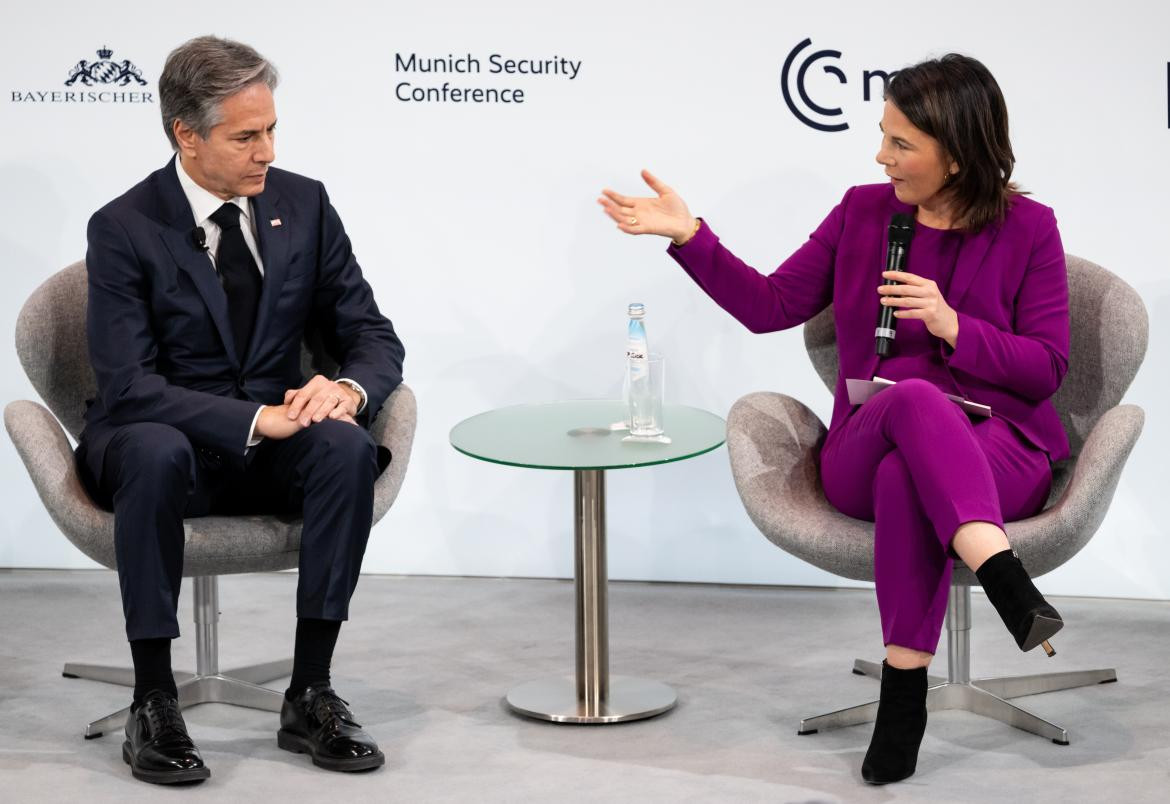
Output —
(637, 310)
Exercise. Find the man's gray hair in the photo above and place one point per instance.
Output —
(200, 75)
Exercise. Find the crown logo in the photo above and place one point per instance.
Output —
(105, 71)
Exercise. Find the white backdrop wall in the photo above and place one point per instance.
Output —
(476, 225)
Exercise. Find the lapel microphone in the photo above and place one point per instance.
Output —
(199, 238)
(897, 254)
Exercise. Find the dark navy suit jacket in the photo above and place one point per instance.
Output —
(159, 337)
(1009, 288)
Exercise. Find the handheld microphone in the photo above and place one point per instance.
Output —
(199, 238)
(897, 254)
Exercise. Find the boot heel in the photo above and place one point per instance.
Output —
(1043, 628)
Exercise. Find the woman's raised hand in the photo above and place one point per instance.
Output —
(665, 215)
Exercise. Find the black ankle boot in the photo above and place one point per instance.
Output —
(1022, 608)
(898, 729)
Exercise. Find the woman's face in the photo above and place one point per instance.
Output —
(913, 160)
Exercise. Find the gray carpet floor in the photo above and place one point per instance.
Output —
(426, 661)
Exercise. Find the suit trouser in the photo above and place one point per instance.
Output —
(912, 462)
(152, 477)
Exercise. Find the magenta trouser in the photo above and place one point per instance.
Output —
(912, 462)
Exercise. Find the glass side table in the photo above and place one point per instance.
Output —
(577, 436)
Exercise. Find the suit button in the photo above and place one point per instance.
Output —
(240, 383)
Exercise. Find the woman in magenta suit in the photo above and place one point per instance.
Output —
(982, 312)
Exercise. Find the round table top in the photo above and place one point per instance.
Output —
(578, 435)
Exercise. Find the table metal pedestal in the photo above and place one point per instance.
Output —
(594, 696)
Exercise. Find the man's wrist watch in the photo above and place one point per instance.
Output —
(355, 394)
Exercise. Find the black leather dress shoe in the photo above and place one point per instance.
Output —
(157, 746)
(318, 723)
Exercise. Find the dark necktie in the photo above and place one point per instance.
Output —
(239, 275)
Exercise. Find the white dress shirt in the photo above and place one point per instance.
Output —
(203, 203)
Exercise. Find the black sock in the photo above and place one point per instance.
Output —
(313, 653)
(152, 667)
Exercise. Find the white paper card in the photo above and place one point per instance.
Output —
(861, 391)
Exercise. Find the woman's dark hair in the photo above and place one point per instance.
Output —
(956, 100)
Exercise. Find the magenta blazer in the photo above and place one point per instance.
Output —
(1009, 288)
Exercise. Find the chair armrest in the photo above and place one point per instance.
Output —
(774, 434)
(394, 430)
(1052, 537)
(43, 446)
(774, 443)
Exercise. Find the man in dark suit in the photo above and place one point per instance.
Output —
(203, 281)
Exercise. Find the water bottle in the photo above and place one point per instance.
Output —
(640, 417)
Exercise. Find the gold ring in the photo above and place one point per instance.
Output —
(633, 221)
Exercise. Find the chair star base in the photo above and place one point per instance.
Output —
(238, 687)
(988, 697)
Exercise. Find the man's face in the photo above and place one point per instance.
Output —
(234, 158)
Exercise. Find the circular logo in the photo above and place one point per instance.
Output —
(808, 111)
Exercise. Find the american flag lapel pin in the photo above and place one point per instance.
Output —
(275, 222)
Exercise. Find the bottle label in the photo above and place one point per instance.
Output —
(636, 359)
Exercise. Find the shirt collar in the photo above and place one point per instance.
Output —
(203, 202)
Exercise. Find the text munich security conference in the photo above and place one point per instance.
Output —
(498, 64)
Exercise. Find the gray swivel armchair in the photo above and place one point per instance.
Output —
(774, 443)
(51, 343)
